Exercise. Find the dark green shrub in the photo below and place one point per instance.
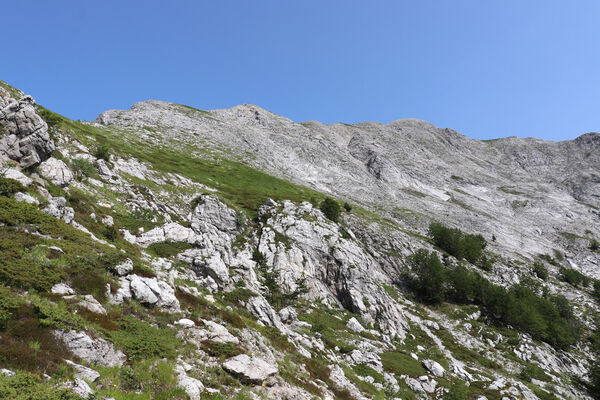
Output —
(540, 270)
(596, 292)
(102, 152)
(347, 206)
(458, 391)
(168, 249)
(83, 168)
(457, 243)
(221, 350)
(141, 340)
(8, 187)
(594, 245)
(573, 277)
(111, 233)
(532, 371)
(9, 305)
(429, 283)
(26, 386)
(331, 209)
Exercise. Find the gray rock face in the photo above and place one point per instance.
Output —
(96, 351)
(56, 171)
(80, 387)
(84, 372)
(148, 291)
(124, 268)
(57, 207)
(192, 386)
(434, 367)
(250, 369)
(23, 134)
(27, 198)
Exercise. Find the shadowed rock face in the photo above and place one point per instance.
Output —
(23, 133)
(522, 191)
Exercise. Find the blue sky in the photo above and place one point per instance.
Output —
(485, 68)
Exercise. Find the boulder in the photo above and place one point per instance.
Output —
(57, 207)
(192, 386)
(24, 137)
(354, 325)
(124, 268)
(90, 303)
(26, 197)
(185, 323)
(250, 369)
(93, 350)
(148, 291)
(83, 372)
(80, 387)
(434, 367)
(13, 173)
(62, 289)
(56, 171)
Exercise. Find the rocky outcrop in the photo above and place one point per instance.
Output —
(250, 369)
(57, 207)
(151, 292)
(93, 350)
(56, 171)
(23, 133)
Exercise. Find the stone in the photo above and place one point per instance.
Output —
(26, 197)
(25, 139)
(124, 268)
(62, 289)
(185, 323)
(7, 372)
(93, 350)
(57, 207)
(13, 173)
(434, 367)
(91, 304)
(84, 372)
(56, 171)
(250, 369)
(108, 220)
(354, 325)
(151, 292)
(192, 386)
(79, 386)
(262, 310)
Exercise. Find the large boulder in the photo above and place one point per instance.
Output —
(151, 292)
(56, 171)
(57, 207)
(93, 350)
(250, 369)
(23, 133)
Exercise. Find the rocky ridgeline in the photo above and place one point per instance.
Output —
(280, 301)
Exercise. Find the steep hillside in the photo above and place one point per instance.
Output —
(167, 252)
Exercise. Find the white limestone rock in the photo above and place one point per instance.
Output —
(56, 171)
(250, 369)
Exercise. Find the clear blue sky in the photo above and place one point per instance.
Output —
(485, 68)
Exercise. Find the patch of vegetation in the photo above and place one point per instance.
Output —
(540, 270)
(8, 187)
(220, 350)
(531, 371)
(168, 249)
(27, 386)
(458, 391)
(331, 209)
(401, 364)
(547, 318)
(83, 168)
(574, 277)
(102, 152)
(366, 370)
(142, 341)
(457, 243)
(333, 330)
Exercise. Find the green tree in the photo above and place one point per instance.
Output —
(429, 283)
(331, 209)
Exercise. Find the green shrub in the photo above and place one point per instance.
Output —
(401, 364)
(56, 315)
(221, 350)
(458, 391)
(331, 209)
(83, 168)
(168, 249)
(26, 386)
(141, 340)
(596, 292)
(8, 187)
(102, 152)
(594, 245)
(532, 371)
(457, 243)
(9, 305)
(540, 270)
(574, 277)
(347, 206)
(429, 284)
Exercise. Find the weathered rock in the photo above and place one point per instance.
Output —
(90, 303)
(151, 292)
(57, 207)
(26, 197)
(96, 351)
(84, 372)
(25, 138)
(192, 386)
(124, 268)
(434, 367)
(80, 387)
(62, 289)
(13, 173)
(354, 325)
(7, 372)
(250, 369)
(185, 323)
(56, 171)
(262, 310)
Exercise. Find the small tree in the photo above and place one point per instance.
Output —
(540, 270)
(331, 209)
(429, 283)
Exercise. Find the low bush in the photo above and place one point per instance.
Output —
(27, 386)
(401, 364)
(8, 187)
(83, 168)
(458, 391)
(102, 152)
(221, 350)
(331, 209)
(574, 277)
(457, 243)
(168, 249)
(540, 270)
(141, 340)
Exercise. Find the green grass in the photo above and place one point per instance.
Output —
(140, 340)
(401, 364)
(168, 249)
